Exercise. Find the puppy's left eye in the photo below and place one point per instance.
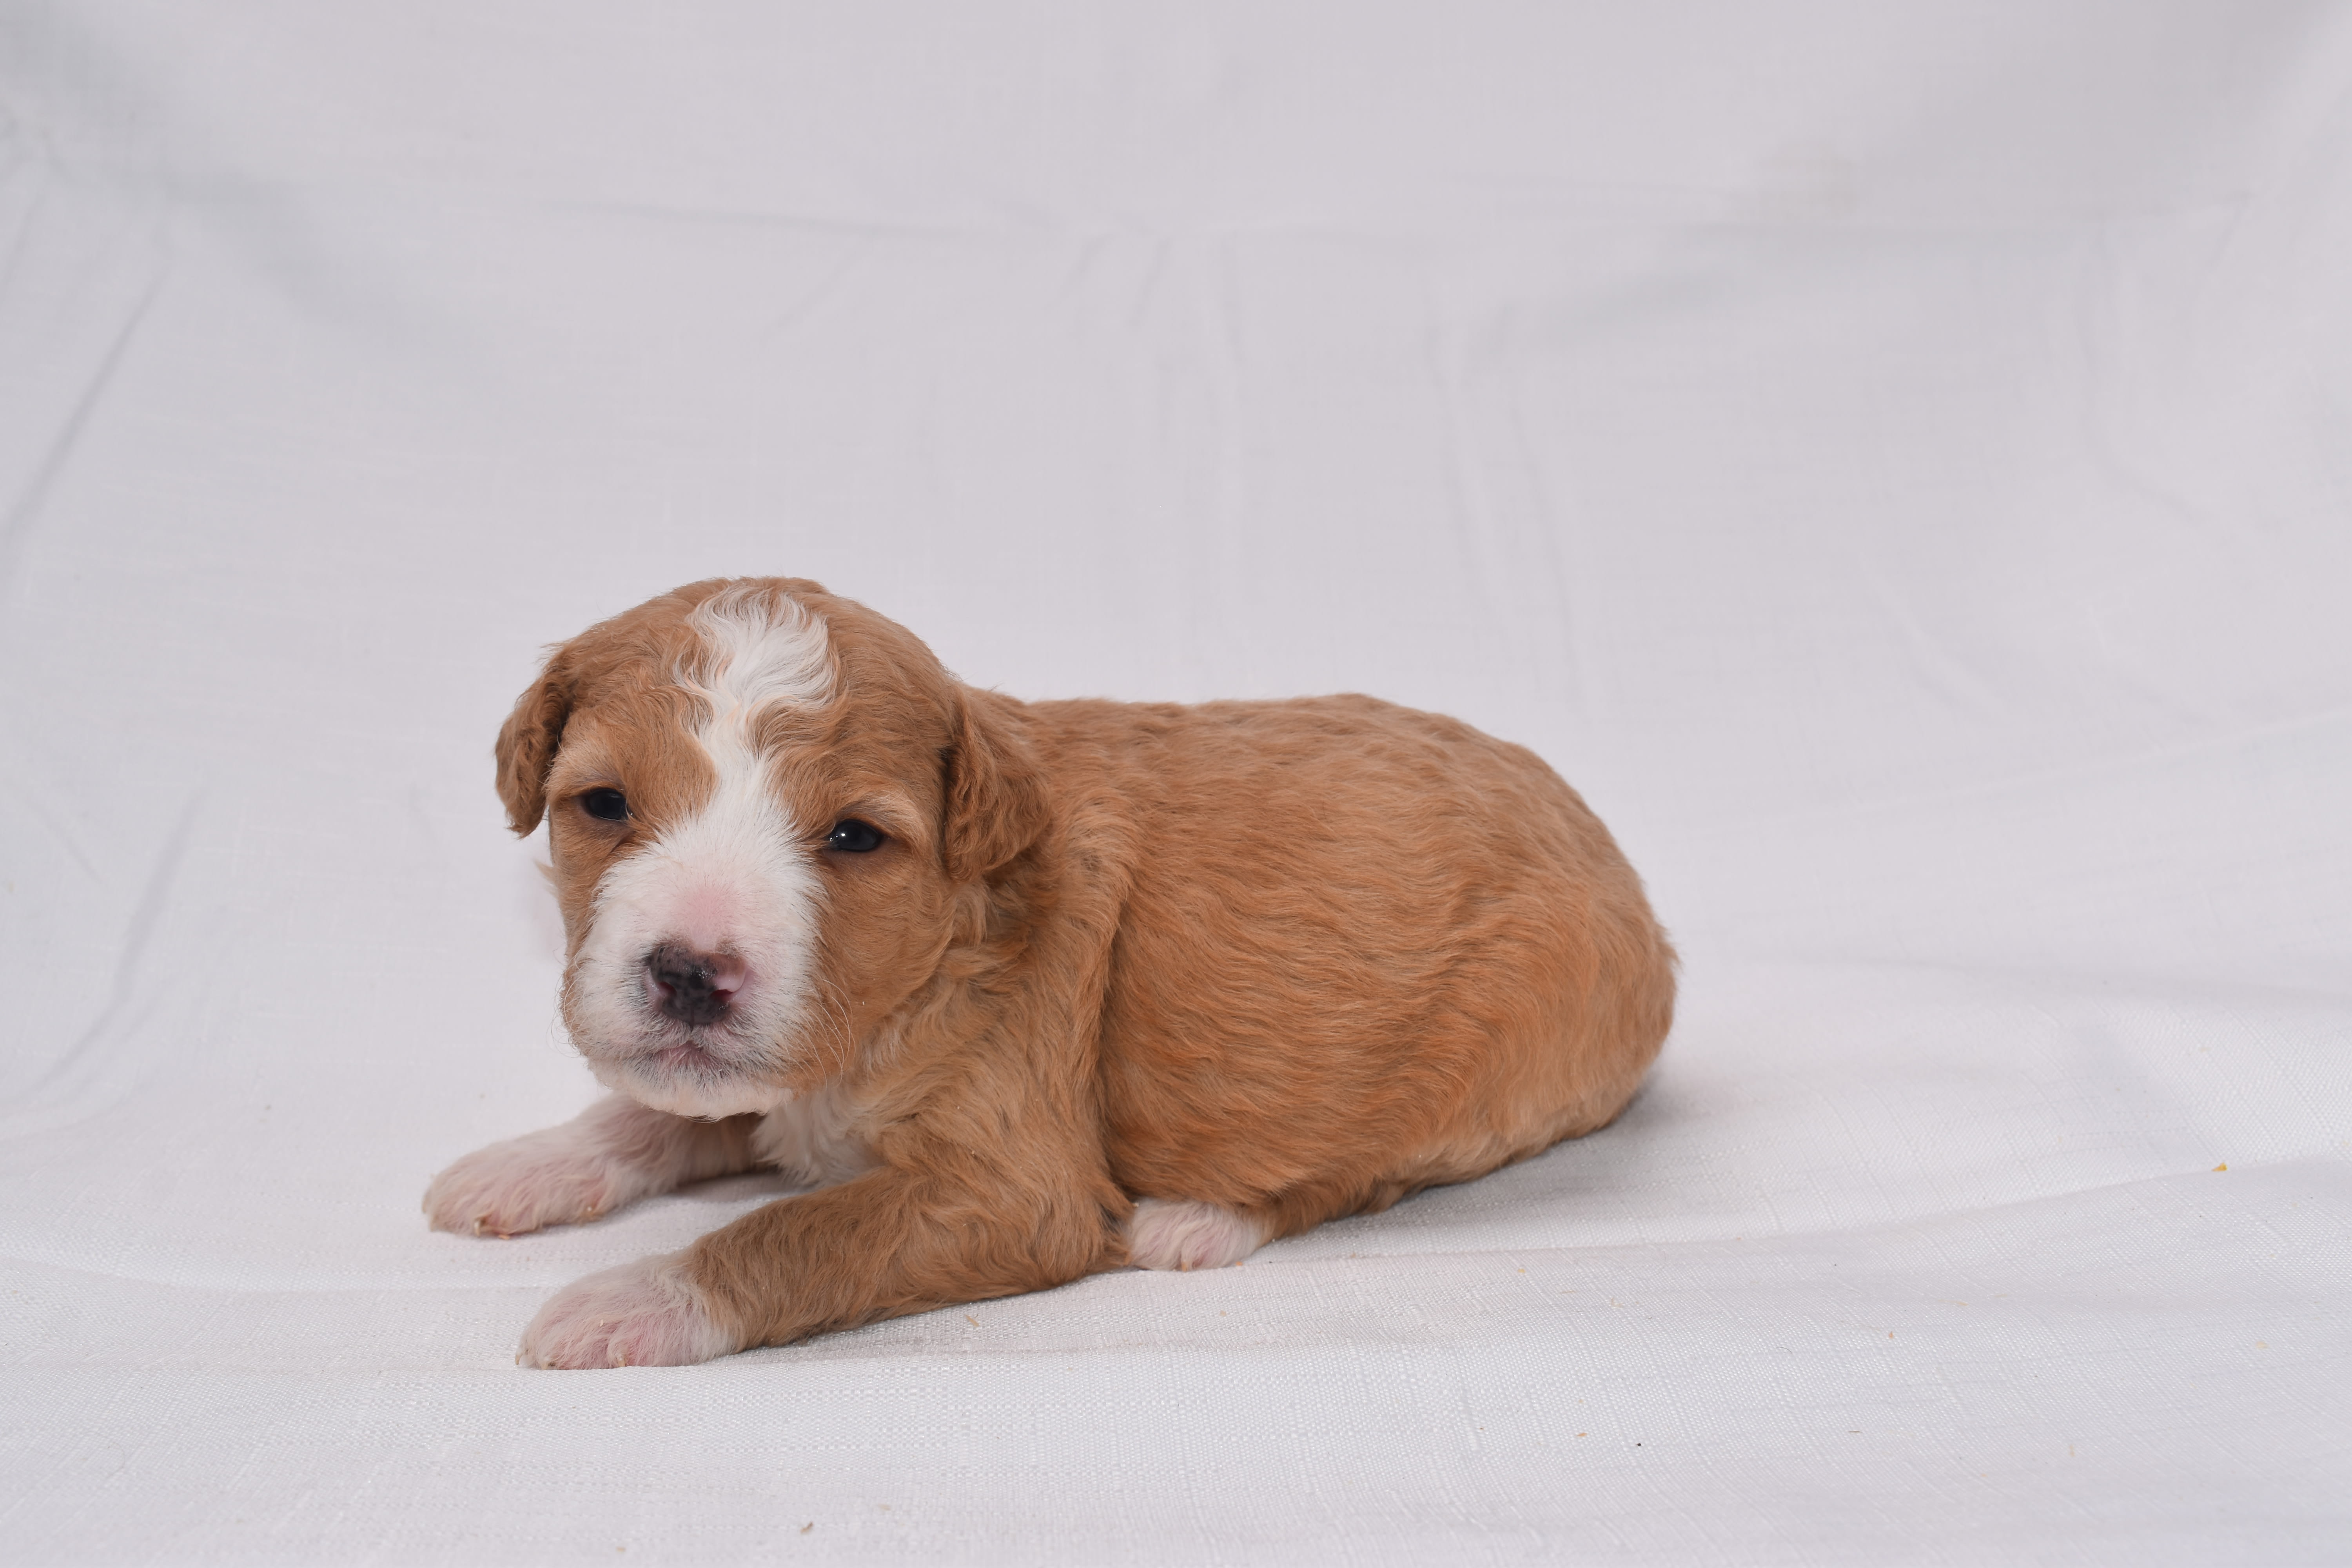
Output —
(855, 837)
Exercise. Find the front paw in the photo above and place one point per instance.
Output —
(524, 1184)
(646, 1313)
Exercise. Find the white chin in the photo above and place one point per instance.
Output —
(688, 1095)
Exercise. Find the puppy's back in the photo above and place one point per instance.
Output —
(1362, 950)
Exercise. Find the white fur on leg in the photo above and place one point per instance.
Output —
(553, 1177)
(566, 1174)
(1186, 1235)
(646, 1313)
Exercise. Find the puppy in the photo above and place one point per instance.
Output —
(1025, 990)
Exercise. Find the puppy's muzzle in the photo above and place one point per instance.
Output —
(695, 988)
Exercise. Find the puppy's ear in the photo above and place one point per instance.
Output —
(995, 791)
(526, 744)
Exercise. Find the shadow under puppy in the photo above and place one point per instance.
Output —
(1031, 990)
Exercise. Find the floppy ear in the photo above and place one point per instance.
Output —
(526, 744)
(995, 792)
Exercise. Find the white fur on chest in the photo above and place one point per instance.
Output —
(812, 1136)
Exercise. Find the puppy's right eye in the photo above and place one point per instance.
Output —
(605, 805)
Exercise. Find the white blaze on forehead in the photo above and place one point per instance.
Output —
(758, 650)
(735, 877)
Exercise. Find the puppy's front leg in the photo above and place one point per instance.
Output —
(890, 1242)
(613, 1153)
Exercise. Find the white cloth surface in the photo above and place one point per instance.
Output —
(1896, 461)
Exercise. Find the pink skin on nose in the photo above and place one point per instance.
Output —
(704, 918)
(695, 988)
(729, 973)
(701, 924)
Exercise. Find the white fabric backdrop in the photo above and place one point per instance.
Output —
(1896, 460)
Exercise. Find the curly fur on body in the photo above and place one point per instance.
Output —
(1118, 983)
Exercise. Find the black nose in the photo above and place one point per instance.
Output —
(693, 987)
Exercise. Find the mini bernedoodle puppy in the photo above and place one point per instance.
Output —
(1027, 990)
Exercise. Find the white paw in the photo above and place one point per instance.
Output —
(1185, 1234)
(646, 1313)
(547, 1178)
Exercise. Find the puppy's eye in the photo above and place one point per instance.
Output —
(855, 837)
(605, 805)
